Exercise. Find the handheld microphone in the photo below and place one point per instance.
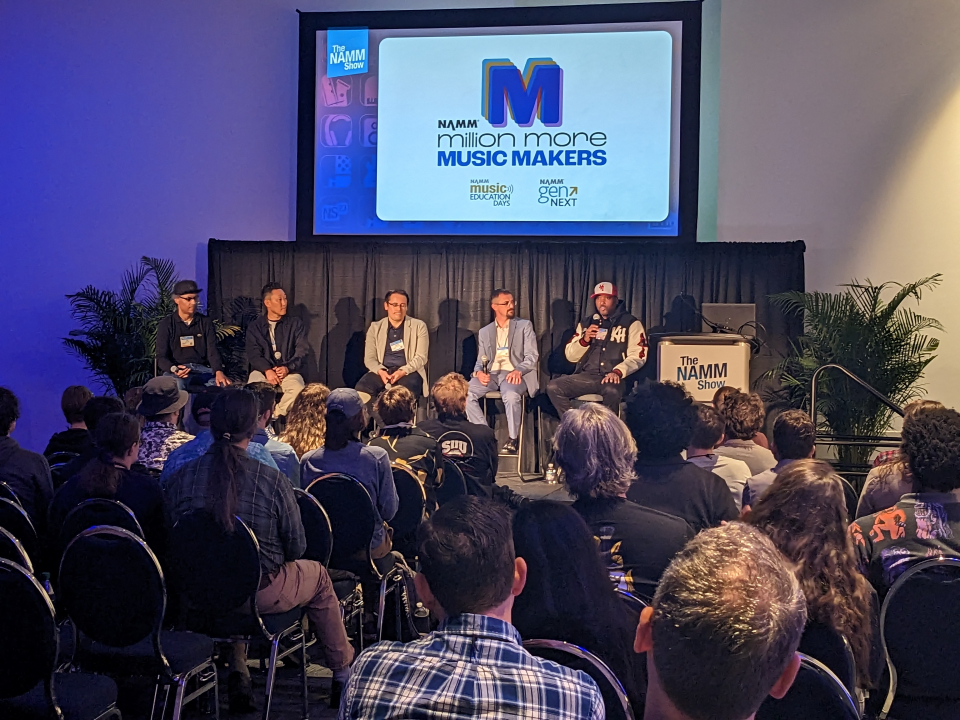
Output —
(485, 365)
(596, 319)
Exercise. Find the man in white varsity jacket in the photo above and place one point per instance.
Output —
(510, 348)
(606, 347)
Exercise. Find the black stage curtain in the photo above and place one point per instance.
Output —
(337, 289)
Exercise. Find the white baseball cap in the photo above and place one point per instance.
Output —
(604, 288)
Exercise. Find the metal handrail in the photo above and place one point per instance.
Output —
(862, 383)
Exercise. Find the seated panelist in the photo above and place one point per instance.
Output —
(395, 351)
(606, 348)
(186, 343)
(507, 362)
(277, 347)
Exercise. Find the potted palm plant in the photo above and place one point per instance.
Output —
(880, 340)
(118, 328)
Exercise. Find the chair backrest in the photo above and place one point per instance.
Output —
(816, 694)
(453, 485)
(635, 603)
(316, 526)
(28, 632)
(850, 498)
(7, 493)
(920, 631)
(413, 501)
(825, 644)
(111, 586)
(15, 521)
(215, 571)
(58, 459)
(98, 511)
(572, 656)
(12, 550)
(350, 509)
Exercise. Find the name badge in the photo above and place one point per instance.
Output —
(277, 355)
(186, 341)
(602, 334)
(396, 345)
(503, 351)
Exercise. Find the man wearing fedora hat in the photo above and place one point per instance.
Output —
(160, 405)
(187, 342)
(606, 347)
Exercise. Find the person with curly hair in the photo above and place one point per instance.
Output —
(661, 417)
(889, 481)
(922, 524)
(307, 419)
(743, 417)
(805, 515)
(596, 454)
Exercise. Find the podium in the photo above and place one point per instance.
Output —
(704, 362)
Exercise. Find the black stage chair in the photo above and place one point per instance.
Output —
(217, 576)
(453, 483)
(634, 602)
(346, 585)
(816, 694)
(572, 656)
(58, 461)
(15, 521)
(410, 510)
(825, 644)
(350, 509)
(112, 588)
(7, 493)
(29, 687)
(12, 550)
(920, 631)
(97, 511)
(850, 498)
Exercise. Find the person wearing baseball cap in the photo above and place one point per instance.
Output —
(160, 405)
(607, 347)
(187, 342)
(342, 452)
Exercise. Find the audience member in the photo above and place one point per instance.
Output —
(923, 524)
(229, 483)
(794, 438)
(200, 412)
(109, 475)
(888, 481)
(723, 630)
(473, 665)
(596, 455)
(661, 418)
(707, 435)
(277, 347)
(568, 595)
(287, 461)
(408, 445)
(131, 399)
(759, 438)
(76, 438)
(805, 514)
(26, 472)
(473, 447)
(342, 452)
(160, 405)
(94, 410)
(743, 417)
(307, 420)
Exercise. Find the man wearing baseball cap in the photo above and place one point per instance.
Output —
(606, 347)
(187, 342)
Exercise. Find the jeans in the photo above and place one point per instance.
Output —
(509, 392)
(564, 389)
(200, 376)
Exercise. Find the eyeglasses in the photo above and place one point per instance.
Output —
(397, 305)
(509, 302)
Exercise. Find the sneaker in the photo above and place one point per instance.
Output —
(510, 447)
(240, 694)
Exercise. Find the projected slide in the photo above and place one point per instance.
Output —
(563, 130)
(540, 128)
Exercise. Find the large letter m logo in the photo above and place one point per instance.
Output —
(538, 92)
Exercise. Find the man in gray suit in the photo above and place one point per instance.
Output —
(395, 351)
(507, 362)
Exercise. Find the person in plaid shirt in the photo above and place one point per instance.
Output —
(474, 665)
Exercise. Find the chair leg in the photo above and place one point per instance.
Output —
(153, 707)
(303, 671)
(271, 676)
(178, 698)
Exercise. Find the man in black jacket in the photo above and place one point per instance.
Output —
(26, 473)
(187, 342)
(277, 347)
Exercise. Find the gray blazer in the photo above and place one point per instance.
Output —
(416, 346)
(524, 354)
